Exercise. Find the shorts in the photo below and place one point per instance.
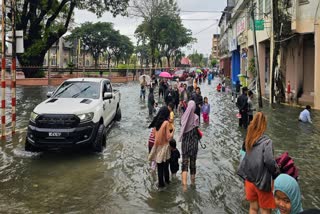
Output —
(265, 199)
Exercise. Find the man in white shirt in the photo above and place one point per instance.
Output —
(305, 115)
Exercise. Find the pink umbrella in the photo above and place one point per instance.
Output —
(165, 74)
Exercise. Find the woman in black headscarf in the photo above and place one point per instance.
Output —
(151, 101)
(160, 152)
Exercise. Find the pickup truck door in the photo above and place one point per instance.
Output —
(107, 105)
(113, 106)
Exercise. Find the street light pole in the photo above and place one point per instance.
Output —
(3, 72)
(13, 66)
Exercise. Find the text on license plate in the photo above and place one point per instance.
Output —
(54, 134)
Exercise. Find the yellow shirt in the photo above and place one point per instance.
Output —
(171, 122)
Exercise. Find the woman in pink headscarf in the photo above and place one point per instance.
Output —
(189, 138)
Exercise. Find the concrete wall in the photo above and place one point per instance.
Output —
(308, 67)
(303, 16)
(262, 57)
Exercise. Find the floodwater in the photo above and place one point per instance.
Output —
(119, 179)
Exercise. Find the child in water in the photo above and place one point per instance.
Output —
(171, 119)
(287, 195)
(205, 109)
(219, 87)
(174, 160)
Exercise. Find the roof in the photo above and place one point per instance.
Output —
(87, 79)
(185, 61)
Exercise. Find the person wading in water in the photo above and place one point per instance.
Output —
(160, 151)
(189, 138)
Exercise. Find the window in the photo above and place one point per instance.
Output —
(53, 61)
(106, 87)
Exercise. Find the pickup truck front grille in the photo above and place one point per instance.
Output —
(57, 121)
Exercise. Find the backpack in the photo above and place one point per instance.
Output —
(286, 165)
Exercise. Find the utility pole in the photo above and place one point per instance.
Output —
(256, 55)
(3, 72)
(84, 60)
(13, 65)
(49, 67)
(275, 45)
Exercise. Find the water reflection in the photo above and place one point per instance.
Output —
(119, 179)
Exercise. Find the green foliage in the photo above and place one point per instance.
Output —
(126, 66)
(214, 62)
(101, 37)
(44, 22)
(162, 29)
(196, 59)
(252, 67)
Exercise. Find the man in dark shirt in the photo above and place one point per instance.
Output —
(242, 104)
(169, 96)
(197, 98)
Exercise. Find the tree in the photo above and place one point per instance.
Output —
(161, 27)
(143, 52)
(173, 35)
(44, 22)
(96, 37)
(282, 30)
(123, 49)
(214, 62)
(196, 59)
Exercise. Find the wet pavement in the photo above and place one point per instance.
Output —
(119, 179)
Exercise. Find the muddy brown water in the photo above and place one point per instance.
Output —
(119, 179)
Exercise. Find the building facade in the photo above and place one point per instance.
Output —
(298, 53)
(63, 53)
(215, 47)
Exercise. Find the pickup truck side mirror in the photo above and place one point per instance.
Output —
(107, 95)
(49, 94)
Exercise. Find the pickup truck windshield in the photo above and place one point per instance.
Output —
(81, 89)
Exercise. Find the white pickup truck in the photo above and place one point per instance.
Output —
(75, 114)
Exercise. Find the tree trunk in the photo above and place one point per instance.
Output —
(160, 62)
(96, 62)
(32, 66)
(109, 60)
(168, 60)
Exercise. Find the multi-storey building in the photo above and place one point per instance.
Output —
(299, 52)
(64, 52)
(215, 47)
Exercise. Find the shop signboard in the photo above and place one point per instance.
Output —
(233, 44)
(241, 26)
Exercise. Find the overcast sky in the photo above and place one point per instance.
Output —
(202, 30)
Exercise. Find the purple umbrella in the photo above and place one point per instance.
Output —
(165, 74)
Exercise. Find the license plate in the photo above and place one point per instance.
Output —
(54, 134)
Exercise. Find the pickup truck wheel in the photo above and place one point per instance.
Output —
(118, 114)
(29, 147)
(99, 142)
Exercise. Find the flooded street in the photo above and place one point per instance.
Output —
(119, 179)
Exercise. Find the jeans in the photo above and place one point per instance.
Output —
(163, 173)
(143, 93)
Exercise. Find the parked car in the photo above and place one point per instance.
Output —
(75, 114)
(182, 75)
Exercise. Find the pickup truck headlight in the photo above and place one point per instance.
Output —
(86, 116)
(33, 116)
